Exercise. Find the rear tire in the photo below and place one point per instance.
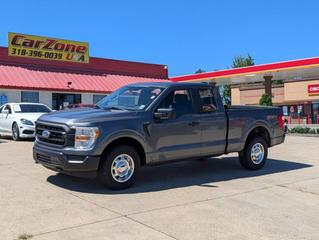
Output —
(119, 167)
(254, 155)
(15, 132)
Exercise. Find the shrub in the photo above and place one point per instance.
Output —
(312, 131)
(299, 130)
(265, 100)
(304, 130)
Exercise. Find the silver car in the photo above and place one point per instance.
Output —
(17, 119)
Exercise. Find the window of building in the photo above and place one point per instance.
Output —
(97, 98)
(301, 113)
(63, 100)
(3, 99)
(30, 97)
(315, 115)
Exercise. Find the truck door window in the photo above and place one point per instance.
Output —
(207, 100)
(180, 101)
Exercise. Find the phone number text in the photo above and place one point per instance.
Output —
(36, 53)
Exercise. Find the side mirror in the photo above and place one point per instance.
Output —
(165, 114)
(208, 108)
(5, 111)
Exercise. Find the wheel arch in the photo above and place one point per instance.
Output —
(261, 131)
(14, 122)
(129, 141)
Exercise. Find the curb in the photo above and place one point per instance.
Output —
(302, 135)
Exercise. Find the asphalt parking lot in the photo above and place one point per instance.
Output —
(207, 199)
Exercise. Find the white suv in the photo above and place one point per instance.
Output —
(17, 119)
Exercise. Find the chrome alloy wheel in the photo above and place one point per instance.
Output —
(15, 132)
(122, 168)
(257, 153)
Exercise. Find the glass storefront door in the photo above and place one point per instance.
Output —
(315, 113)
(62, 100)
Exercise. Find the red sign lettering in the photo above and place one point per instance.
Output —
(313, 89)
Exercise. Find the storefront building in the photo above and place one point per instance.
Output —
(294, 86)
(299, 100)
(59, 84)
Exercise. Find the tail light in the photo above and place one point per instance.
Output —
(281, 121)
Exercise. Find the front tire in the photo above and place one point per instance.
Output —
(254, 155)
(119, 167)
(15, 132)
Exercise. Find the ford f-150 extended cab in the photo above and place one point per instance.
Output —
(149, 123)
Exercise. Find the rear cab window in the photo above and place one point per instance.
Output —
(206, 100)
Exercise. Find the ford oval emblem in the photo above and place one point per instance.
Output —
(45, 134)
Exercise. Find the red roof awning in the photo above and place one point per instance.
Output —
(23, 77)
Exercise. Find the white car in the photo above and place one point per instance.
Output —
(17, 119)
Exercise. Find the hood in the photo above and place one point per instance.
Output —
(29, 116)
(86, 116)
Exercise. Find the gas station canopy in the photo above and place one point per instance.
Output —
(289, 70)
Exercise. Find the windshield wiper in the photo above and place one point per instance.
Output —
(115, 108)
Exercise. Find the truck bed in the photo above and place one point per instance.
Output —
(242, 119)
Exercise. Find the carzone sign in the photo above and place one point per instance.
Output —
(313, 89)
(29, 46)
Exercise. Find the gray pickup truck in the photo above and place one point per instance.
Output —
(149, 123)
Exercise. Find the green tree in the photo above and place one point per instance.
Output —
(242, 61)
(238, 61)
(265, 100)
(200, 70)
(277, 81)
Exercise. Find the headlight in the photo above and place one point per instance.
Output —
(85, 137)
(26, 122)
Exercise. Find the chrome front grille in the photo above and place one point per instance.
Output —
(51, 134)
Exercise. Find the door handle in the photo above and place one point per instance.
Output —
(193, 123)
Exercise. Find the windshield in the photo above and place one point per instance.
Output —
(30, 108)
(130, 98)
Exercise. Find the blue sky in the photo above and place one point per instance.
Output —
(185, 35)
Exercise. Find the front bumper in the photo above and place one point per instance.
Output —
(27, 131)
(58, 160)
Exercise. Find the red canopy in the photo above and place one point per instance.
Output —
(294, 69)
